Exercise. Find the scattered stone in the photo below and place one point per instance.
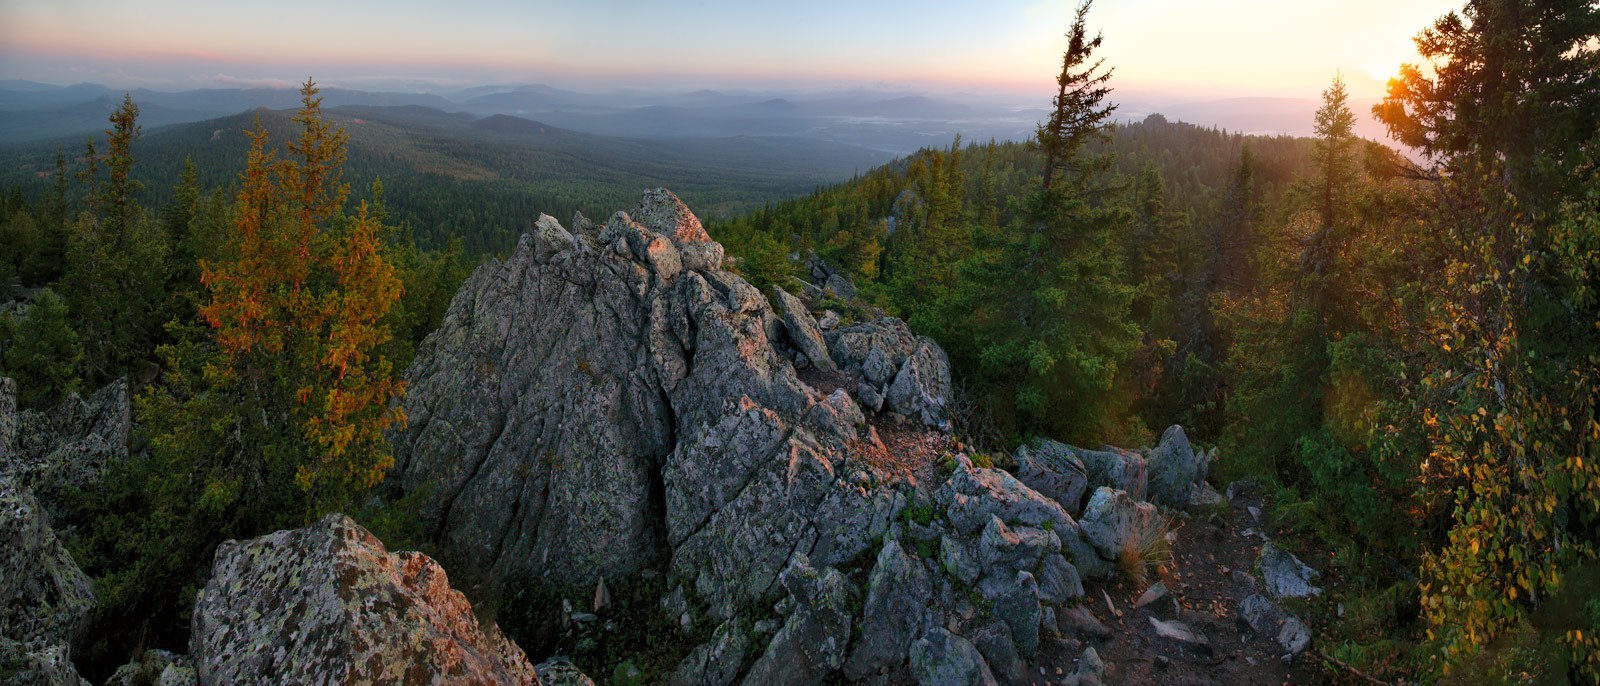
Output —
(1084, 623)
(829, 320)
(1181, 634)
(1284, 575)
(1156, 593)
(328, 604)
(1203, 495)
(1261, 616)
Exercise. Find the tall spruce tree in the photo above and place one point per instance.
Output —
(1050, 309)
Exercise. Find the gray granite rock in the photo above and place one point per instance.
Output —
(941, 658)
(814, 638)
(329, 604)
(896, 610)
(1173, 467)
(1284, 575)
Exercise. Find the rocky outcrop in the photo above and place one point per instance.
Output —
(328, 604)
(45, 599)
(910, 373)
(601, 403)
(69, 445)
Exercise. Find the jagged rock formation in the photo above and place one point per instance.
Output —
(328, 604)
(608, 400)
(45, 599)
(70, 444)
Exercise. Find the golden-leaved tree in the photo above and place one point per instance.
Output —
(299, 307)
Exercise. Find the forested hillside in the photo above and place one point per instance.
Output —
(458, 177)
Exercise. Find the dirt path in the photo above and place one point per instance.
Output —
(1215, 563)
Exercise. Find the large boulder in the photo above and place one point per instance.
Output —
(802, 328)
(1113, 520)
(1174, 466)
(328, 604)
(1055, 470)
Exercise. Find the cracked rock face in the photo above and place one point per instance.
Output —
(327, 604)
(607, 400)
(598, 400)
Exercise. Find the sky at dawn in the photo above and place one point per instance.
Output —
(1192, 48)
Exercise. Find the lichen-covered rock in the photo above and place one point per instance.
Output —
(68, 445)
(1284, 575)
(1055, 470)
(941, 658)
(896, 610)
(716, 662)
(802, 328)
(973, 496)
(921, 390)
(1266, 619)
(37, 665)
(1119, 469)
(328, 604)
(45, 598)
(8, 417)
(1016, 602)
(1173, 467)
(156, 668)
(1113, 519)
(912, 372)
(814, 638)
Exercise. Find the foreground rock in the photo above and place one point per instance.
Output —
(327, 604)
(45, 599)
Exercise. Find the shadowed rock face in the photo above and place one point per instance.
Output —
(598, 400)
(327, 604)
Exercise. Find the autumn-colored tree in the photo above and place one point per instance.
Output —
(1510, 114)
(299, 308)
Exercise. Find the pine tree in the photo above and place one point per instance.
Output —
(1051, 307)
